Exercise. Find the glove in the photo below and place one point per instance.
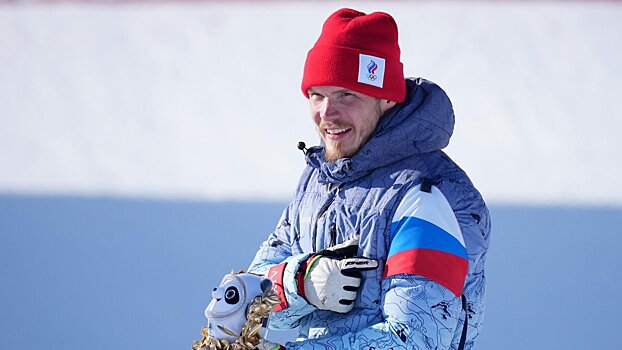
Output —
(268, 345)
(333, 277)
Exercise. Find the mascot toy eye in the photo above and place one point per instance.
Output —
(232, 296)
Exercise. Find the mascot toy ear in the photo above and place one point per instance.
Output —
(266, 284)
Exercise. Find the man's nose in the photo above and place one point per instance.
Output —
(329, 110)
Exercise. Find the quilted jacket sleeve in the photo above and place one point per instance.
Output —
(274, 260)
(275, 249)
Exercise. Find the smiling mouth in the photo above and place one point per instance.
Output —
(337, 131)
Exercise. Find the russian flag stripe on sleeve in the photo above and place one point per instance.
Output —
(443, 268)
(426, 240)
(431, 207)
(411, 233)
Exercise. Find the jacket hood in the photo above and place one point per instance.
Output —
(423, 123)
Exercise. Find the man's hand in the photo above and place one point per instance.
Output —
(333, 277)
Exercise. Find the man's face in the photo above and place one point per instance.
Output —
(344, 119)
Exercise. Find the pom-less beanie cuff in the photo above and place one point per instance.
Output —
(339, 66)
(359, 52)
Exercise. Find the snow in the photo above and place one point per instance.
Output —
(202, 100)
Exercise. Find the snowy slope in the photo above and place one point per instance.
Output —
(187, 100)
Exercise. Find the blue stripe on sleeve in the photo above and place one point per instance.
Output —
(411, 233)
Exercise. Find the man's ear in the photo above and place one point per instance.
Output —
(385, 105)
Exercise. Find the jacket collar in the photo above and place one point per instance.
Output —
(423, 123)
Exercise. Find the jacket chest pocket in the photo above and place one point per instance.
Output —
(334, 228)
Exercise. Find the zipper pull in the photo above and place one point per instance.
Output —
(333, 234)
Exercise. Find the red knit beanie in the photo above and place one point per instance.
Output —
(358, 52)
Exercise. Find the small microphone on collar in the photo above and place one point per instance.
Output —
(303, 147)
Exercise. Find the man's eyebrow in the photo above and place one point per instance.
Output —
(343, 90)
(310, 90)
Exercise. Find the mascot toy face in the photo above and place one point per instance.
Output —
(226, 313)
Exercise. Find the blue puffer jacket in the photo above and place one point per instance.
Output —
(359, 197)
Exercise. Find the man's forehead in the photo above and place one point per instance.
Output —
(330, 89)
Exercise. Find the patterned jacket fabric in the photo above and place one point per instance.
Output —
(359, 197)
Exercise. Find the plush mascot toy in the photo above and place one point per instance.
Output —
(236, 312)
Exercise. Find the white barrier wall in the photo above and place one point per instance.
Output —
(202, 100)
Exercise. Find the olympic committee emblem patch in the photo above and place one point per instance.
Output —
(371, 70)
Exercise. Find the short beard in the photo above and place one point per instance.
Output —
(337, 152)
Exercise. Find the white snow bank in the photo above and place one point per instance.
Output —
(202, 100)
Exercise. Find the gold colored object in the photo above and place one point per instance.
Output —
(249, 337)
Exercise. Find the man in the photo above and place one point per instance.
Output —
(384, 243)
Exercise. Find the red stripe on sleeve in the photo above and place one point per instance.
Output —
(444, 268)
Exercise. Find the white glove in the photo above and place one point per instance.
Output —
(268, 345)
(334, 276)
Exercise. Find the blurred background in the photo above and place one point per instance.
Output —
(148, 148)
